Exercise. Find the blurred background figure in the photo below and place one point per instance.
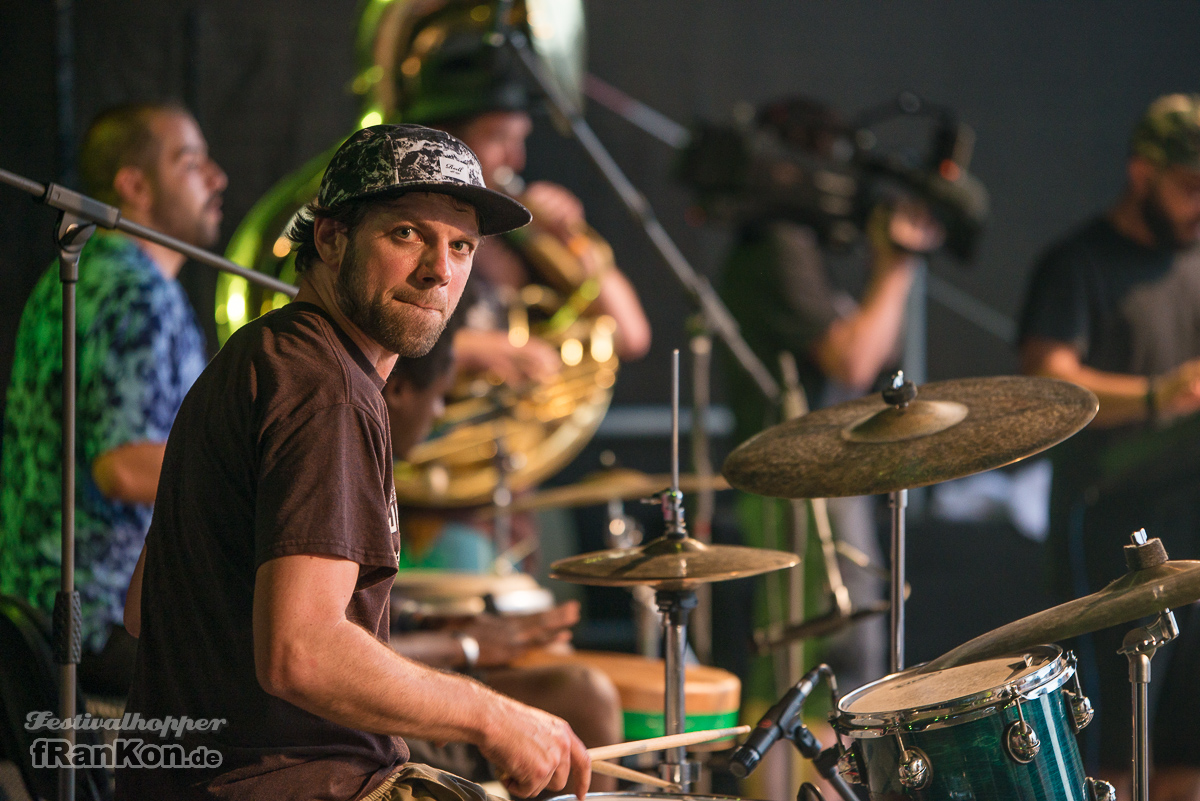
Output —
(1113, 306)
(139, 351)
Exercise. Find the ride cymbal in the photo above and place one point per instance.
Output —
(952, 429)
(1135, 595)
(670, 563)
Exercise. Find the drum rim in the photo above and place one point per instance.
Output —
(865, 725)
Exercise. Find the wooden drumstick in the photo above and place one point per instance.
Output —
(631, 775)
(662, 743)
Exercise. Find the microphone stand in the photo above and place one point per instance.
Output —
(716, 315)
(77, 220)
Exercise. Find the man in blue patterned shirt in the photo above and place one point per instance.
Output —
(139, 352)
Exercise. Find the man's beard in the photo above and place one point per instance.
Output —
(1160, 225)
(409, 334)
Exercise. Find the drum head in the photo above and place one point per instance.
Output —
(951, 695)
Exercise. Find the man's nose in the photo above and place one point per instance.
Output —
(217, 177)
(435, 265)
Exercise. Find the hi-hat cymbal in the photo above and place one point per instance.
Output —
(670, 564)
(952, 429)
(1135, 595)
(608, 485)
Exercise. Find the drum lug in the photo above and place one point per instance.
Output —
(915, 771)
(1020, 740)
(1081, 710)
(847, 766)
(1099, 790)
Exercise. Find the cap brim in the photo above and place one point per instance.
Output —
(498, 213)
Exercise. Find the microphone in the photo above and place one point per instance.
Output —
(775, 724)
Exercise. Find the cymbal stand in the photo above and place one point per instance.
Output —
(675, 605)
(502, 498)
(1138, 647)
(78, 217)
(898, 394)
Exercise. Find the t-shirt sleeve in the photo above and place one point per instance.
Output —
(132, 388)
(805, 307)
(1056, 304)
(321, 489)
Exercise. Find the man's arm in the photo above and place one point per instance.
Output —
(560, 213)
(1123, 398)
(854, 349)
(305, 651)
(129, 473)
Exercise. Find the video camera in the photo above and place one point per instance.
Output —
(749, 171)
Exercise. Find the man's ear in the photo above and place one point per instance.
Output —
(133, 188)
(329, 237)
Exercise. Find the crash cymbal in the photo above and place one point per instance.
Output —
(669, 563)
(1135, 595)
(952, 429)
(608, 485)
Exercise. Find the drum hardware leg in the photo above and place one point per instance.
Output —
(1020, 740)
(897, 500)
(676, 605)
(914, 768)
(502, 498)
(1081, 708)
(1139, 646)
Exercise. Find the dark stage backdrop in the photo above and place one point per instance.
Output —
(1051, 89)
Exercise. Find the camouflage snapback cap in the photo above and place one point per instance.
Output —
(1169, 133)
(393, 159)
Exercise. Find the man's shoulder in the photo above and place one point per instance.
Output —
(1086, 241)
(299, 348)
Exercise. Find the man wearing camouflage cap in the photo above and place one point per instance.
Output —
(261, 598)
(1115, 307)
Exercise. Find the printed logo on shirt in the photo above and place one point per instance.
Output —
(454, 169)
(393, 513)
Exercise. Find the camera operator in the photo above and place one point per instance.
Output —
(790, 292)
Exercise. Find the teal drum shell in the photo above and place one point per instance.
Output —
(964, 738)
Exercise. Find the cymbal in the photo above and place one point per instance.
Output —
(1135, 595)
(952, 429)
(670, 564)
(606, 485)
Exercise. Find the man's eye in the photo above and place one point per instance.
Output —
(463, 247)
(404, 233)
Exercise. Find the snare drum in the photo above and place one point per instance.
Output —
(1002, 728)
(711, 695)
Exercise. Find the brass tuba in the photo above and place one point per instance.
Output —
(416, 63)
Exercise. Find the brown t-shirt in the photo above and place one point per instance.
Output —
(281, 447)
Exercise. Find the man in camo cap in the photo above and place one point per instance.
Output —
(1115, 307)
(261, 598)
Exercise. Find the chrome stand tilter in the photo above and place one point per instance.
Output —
(1139, 647)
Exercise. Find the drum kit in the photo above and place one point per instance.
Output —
(996, 717)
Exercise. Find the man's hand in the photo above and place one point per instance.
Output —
(896, 233)
(1178, 392)
(535, 751)
(555, 210)
(503, 638)
(480, 351)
